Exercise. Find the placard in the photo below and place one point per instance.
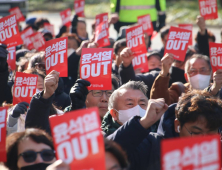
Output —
(135, 41)
(25, 35)
(187, 27)
(11, 59)
(18, 13)
(65, 16)
(102, 30)
(56, 56)
(95, 66)
(177, 42)
(50, 28)
(215, 56)
(24, 87)
(146, 22)
(78, 139)
(9, 33)
(196, 153)
(208, 9)
(79, 7)
(3, 128)
(38, 41)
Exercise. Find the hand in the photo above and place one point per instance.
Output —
(166, 61)
(93, 45)
(138, 71)
(78, 94)
(84, 44)
(20, 108)
(201, 24)
(127, 56)
(50, 84)
(155, 109)
(3, 56)
(217, 82)
(114, 18)
(58, 165)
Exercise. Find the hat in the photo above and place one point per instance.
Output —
(30, 21)
(154, 53)
(21, 53)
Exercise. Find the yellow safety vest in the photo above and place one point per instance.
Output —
(131, 9)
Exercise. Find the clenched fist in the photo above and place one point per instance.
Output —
(201, 24)
(127, 56)
(167, 61)
(156, 108)
(217, 82)
(50, 84)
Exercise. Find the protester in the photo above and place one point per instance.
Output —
(191, 118)
(154, 62)
(198, 75)
(164, 35)
(127, 101)
(29, 150)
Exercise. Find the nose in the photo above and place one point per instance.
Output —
(38, 159)
(104, 98)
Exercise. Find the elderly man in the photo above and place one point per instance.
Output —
(127, 101)
(190, 117)
(198, 73)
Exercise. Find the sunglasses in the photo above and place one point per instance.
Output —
(30, 156)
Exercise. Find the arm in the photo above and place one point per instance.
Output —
(202, 37)
(39, 110)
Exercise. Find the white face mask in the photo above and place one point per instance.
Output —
(199, 81)
(70, 51)
(125, 115)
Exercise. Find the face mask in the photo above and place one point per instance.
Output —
(125, 115)
(155, 69)
(70, 51)
(39, 166)
(199, 81)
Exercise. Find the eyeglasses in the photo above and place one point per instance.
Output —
(193, 72)
(99, 93)
(41, 65)
(30, 156)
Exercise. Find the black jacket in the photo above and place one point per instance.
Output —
(73, 68)
(127, 73)
(141, 146)
(61, 100)
(39, 112)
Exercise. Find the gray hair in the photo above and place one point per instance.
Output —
(134, 85)
(36, 58)
(198, 56)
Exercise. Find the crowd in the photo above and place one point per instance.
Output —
(174, 99)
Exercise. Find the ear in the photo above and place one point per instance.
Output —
(114, 114)
(176, 124)
(185, 75)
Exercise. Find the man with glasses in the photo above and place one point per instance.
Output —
(82, 98)
(196, 113)
(198, 73)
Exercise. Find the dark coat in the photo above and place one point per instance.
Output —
(141, 146)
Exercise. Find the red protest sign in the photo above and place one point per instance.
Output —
(102, 30)
(146, 22)
(56, 56)
(25, 35)
(24, 87)
(187, 27)
(3, 116)
(177, 42)
(78, 139)
(18, 13)
(38, 41)
(208, 9)
(135, 41)
(79, 7)
(215, 56)
(191, 153)
(50, 28)
(9, 33)
(11, 58)
(95, 66)
(65, 15)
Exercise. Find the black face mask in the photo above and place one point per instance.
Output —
(39, 166)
